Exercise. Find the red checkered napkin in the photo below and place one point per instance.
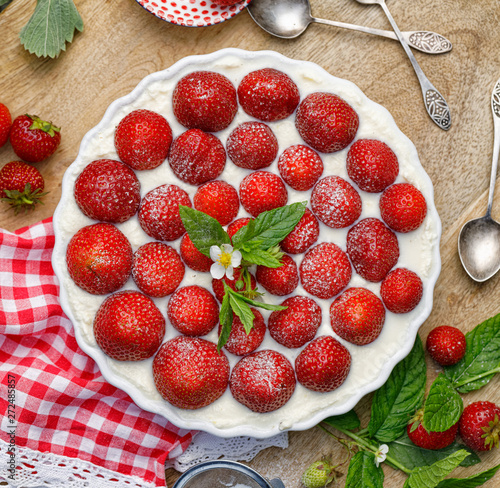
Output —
(53, 396)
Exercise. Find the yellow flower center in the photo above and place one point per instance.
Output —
(225, 259)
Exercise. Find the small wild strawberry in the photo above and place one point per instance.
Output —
(318, 475)
(5, 124)
(479, 426)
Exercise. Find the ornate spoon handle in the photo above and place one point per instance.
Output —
(495, 108)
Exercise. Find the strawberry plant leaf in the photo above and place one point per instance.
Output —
(482, 357)
(471, 481)
(396, 401)
(363, 472)
(226, 320)
(52, 24)
(203, 230)
(347, 421)
(431, 476)
(443, 406)
(270, 227)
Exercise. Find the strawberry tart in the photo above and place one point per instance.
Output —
(237, 135)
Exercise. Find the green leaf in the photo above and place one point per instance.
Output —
(443, 406)
(255, 303)
(431, 476)
(347, 421)
(261, 257)
(482, 357)
(241, 309)
(471, 481)
(52, 24)
(203, 230)
(4, 2)
(226, 320)
(363, 473)
(397, 400)
(269, 228)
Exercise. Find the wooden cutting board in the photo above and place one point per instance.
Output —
(122, 43)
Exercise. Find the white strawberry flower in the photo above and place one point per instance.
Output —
(381, 454)
(225, 260)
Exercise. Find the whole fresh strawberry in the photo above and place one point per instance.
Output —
(34, 139)
(430, 440)
(190, 373)
(193, 310)
(300, 167)
(297, 324)
(403, 207)
(325, 270)
(217, 199)
(142, 139)
(357, 315)
(268, 94)
(108, 191)
(99, 258)
(192, 257)
(21, 185)
(239, 342)
(373, 249)
(326, 122)
(318, 475)
(401, 290)
(205, 100)
(237, 284)
(236, 225)
(262, 381)
(279, 281)
(5, 124)
(159, 212)
(323, 365)
(303, 236)
(196, 157)
(336, 202)
(252, 145)
(157, 269)
(446, 345)
(479, 426)
(261, 191)
(372, 165)
(128, 326)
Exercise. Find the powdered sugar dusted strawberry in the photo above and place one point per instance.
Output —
(297, 324)
(357, 315)
(325, 270)
(193, 310)
(263, 381)
(268, 94)
(219, 200)
(303, 236)
(401, 290)
(99, 258)
(157, 269)
(235, 226)
(403, 207)
(237, 284)
(323, 365)
(5, 124)
(336, 202)
(108, 191)
(446, 345)
(159, 212)
(192, 257)
(142, 139)
(326, 122)
(252, 145)
(239, 342)
(279, 281)
(128, 326)
(205, 100)
(300, 167)
(372, 165)
(190, 373)
(261, 191)
(373, 249)
(196, 157)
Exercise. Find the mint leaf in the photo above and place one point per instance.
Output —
(482, 357)
(443, 406)
(471, 481)
(4, 2)
(431, 476)
(203, 230)
(52, 24)
(260, 257)
(226, 321)
(347, 421)
(269, 228)
(397, 400)
(255, 303)
(241, 309)
(363, 473)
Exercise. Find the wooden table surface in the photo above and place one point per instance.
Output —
(122, 43)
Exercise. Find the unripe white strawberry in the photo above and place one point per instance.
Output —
(318, 475)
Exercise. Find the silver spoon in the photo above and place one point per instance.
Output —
(435, 104)
(290, 18)
(479, 239)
